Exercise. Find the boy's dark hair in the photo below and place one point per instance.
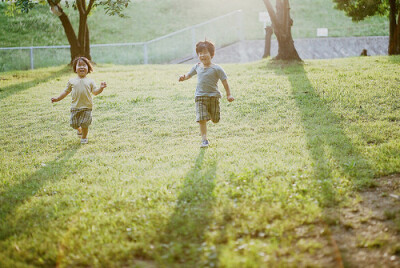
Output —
(90, 67)
(205, 45)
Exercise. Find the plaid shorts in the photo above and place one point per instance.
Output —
(80, 117)
(207, 108)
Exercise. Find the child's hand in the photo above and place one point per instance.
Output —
(54, 100)
(182, 78)
(103, 85)
(230, 98)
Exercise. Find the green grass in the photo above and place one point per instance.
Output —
(298, 139)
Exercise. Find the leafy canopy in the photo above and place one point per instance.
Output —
(360, 9)
(111, 7)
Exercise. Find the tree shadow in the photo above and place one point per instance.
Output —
(335, 159)
(395, 59)
(15, 88)
(184, 235)
(15, 195)
(329, 146)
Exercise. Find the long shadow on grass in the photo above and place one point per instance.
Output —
(329, 146)
(331, 149)
(15, 88)
(395, 59)
(15, 195)
(184, 234)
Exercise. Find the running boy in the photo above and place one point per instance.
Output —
(81, 106)
(207, 94)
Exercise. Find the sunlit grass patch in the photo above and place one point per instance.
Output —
(297, 142)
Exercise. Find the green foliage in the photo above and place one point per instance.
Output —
(360, 9)
(23, 5)
(298, 139)
(111, 7)
(114, 7)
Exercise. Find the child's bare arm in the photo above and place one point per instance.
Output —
(184, 77)
(103, 85)
(62, 96)
(229, 97)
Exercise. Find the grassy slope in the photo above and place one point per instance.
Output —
(296, 140)
(149, 19)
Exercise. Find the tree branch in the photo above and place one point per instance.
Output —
(90, 6)
(271, 12)
(80, 7)
(398, 17)
(84, 6)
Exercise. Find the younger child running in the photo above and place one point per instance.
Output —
(81, 87)
(207, 94)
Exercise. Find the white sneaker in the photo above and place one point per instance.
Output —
(84, 141)
(204, 144)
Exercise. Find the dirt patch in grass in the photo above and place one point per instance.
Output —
(368, 232)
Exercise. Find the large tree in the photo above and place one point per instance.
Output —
(361, 9)
(79, 44)
(282, 25)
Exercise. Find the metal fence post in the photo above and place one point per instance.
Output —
(145, 56)
(31, 48)
(240, 25)
(194, 42)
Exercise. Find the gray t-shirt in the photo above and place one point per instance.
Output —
(207, 79)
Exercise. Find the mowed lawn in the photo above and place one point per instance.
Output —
(298, 139)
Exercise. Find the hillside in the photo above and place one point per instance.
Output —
(148, 19)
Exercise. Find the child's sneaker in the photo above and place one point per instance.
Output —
(78, 133)
(204, 144)
(84, 141)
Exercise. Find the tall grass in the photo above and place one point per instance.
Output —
(296, 140)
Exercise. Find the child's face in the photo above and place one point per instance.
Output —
(204, 56)
(81, 68)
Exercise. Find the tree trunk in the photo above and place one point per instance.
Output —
(282, 24)
(394, 29)
(68, 29)
(267, 48)
(78, 46)
(87, 43)
(82, 35)
(71, 36)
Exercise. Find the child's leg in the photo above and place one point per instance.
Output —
(85, 131)
(203, 129)
(86, 120)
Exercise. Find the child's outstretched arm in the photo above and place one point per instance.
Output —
(184, 77)
(62, 96)
(103, 85)
(229, 97)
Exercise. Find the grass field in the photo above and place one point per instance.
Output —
(297, 140)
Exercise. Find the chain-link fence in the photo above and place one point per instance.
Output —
(223, 30)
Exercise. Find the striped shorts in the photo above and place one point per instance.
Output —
(207, 108)
(80, 117)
